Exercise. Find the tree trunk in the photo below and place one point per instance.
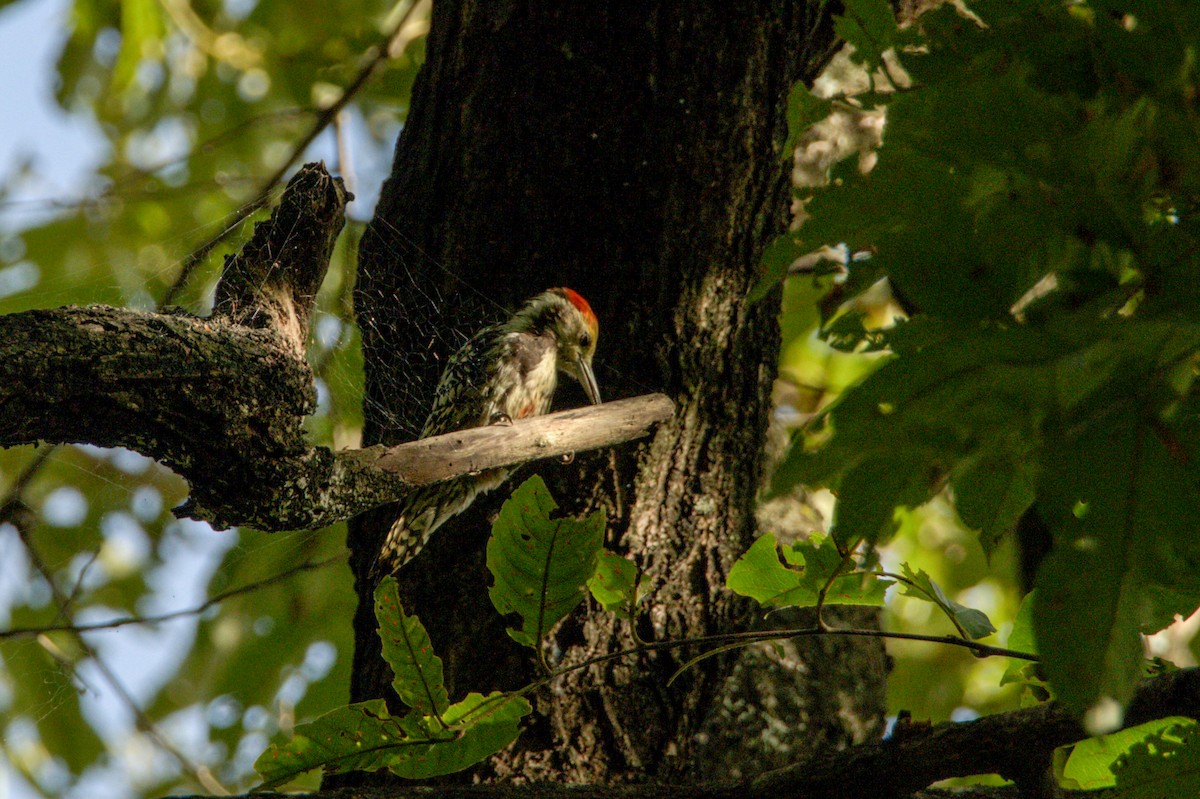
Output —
(636, 156)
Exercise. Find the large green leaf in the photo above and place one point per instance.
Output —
(1091, 763)
(435, 738)
(1021, 639)
(366, 737)
(418, 677)
(868, 25)
(483, 725)
(1163, 764)
(1124, 516)
(540, 566)
(991, 492)
(359, 737)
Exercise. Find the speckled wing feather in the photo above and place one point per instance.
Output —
(460, 402)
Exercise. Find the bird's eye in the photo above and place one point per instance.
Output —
(585, 341)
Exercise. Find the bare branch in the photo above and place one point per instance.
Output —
(318, 488)
(216, 599)
(438, 458)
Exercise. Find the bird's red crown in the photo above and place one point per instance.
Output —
(581, 305)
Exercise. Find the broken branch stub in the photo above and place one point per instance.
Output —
(273, 281)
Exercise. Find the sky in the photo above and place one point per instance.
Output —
(64, 149)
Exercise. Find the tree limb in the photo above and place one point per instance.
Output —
(222, 400)
(431, 460)
(1004, 744)
(900, 767)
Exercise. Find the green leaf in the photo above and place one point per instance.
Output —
(971, 622)
(418, 677)
(870, 26)
(804, 109)
(615, 584)
(1021, 640)
(484, 725)
(365, 737)
(1091, 763)
(990, 493)
(870, 493)
(540, 566)
(1165, 763)
(359, 737)
(1123, 514)
(760, 575)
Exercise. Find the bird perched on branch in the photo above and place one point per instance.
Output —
(506, 372)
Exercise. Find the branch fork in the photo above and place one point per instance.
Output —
(222, 400)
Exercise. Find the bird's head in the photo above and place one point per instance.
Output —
(567, 315)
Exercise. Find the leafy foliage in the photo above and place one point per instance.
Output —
(814, 570)
(541, 566)
(406, 647)
(1034, 209)
(191, 109)
(366, 737)
(435, 738)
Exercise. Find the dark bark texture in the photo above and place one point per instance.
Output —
(635, 155)
(219, 400)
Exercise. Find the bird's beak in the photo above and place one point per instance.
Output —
(588, 379)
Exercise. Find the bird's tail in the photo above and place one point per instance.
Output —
(424, 511)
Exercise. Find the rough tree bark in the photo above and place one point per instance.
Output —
(636, 156)
(222, 400)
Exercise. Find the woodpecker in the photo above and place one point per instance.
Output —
(507, 371)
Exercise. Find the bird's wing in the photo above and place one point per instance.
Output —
(462, 398)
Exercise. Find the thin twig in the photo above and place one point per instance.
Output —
(201, 774)
(12, 502)
(747, 638)
(324, 120)
(216, 599)
(731, 640)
